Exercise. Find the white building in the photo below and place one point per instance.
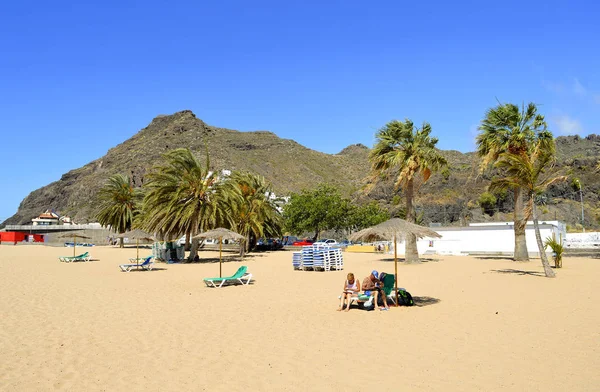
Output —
(583, 240)
(496, 238)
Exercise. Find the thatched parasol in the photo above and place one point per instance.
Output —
(74, 235)
(138, 235)
(394, 228)
(220, 234)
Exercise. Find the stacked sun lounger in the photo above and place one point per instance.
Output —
(297, 260)
(307, 258)
(318, 258)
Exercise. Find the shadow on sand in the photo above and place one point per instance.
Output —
(402, 260)
(494, 257)
(425, 301)
(420, 302)
(519, 272)
(225, 259)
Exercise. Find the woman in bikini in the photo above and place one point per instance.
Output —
(351, 288)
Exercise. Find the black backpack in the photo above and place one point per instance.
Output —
(404, 298)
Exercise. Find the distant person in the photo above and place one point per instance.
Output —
(351, 288)
(373, 286)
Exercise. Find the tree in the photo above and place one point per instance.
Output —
(316, 210)
(507, 128)
(366, 215)
(118, 204)
(409, 154)
(487, 202)
(253, 210)
(183, 197)
(528, 172)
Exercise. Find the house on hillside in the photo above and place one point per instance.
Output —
(51, 218)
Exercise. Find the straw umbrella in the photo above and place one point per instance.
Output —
(74, 235)
(220, 234)
(138, 235)
(394, 228)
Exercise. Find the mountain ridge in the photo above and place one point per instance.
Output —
(291, 167)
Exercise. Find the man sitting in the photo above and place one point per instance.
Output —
(373, 286)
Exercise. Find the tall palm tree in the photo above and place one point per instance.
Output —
(182, 197)
(118, 204)
(253, 210)
(410, 155)
(528, 171)
(507, 128)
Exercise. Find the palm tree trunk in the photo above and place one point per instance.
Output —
(193, 250)
(520, 222)
(245, 246)
(187, 241)
(547, 270)
(411, 254)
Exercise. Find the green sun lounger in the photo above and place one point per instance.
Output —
(238, 277)
(145, 266)
(82, 257)
(388, 290)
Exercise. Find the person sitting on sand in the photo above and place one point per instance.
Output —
(351, 288)
(373, 286)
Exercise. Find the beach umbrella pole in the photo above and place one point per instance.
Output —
(137, 250)
(74, 245)
(396, 268)
(220, 252)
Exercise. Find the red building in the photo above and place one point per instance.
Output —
(15, 236)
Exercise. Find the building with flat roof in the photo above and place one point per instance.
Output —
(494, 238)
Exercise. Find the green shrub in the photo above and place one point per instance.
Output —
(557, 250)
(487, 202)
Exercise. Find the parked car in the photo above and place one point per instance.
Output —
(207, 241)
(327, 242)
(289, 240)
(268, 244)
(345, 243)
(303, 243)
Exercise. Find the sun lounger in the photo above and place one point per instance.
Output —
(238, 277)
(82, 257)
(147, 265)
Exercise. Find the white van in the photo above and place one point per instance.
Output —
(208, 241)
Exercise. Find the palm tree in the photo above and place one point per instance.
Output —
(409, 154)
(528, 172)
(253, 210)
(182, 197)
(507, 128)
(118, 204)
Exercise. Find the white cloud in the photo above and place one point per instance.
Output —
(567, 125)
(578, 88)
(553, 87)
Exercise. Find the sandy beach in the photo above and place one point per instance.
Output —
(480, 324)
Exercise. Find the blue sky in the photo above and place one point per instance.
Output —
(77, 78)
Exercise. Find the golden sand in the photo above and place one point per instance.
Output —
(482, 324)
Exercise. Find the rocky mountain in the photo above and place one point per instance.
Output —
(288, 165)
(450, 197)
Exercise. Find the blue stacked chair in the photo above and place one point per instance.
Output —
(318, 258)
(307, 257)
(297, 260)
